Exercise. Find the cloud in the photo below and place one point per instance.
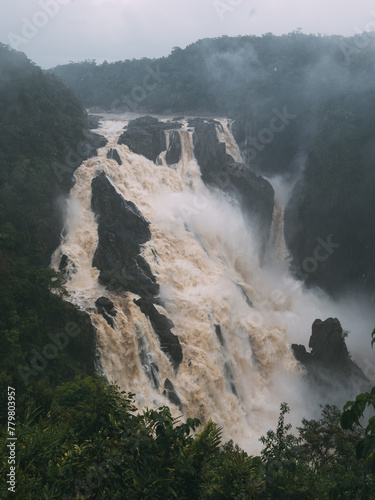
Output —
(126, 29)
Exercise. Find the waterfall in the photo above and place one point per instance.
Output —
(233, 319)
(225, 135)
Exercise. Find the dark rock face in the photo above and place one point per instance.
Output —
(113, 155)
(89, 147)
(329, 364)
(63, 262)
(122, 230)
(219, 335)
(107, 309)
(93, 121)
(146, 136)
(220, 170)
(328, 346)
(66, 267)
(209, 152)
(171, 394)
(174, 150)
(162, 327)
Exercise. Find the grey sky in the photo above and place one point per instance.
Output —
(53, 32)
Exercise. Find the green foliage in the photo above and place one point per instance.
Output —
(92, 444)
(39, 119)
(318, 463)
(354, 412)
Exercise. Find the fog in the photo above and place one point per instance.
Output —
(53, 32)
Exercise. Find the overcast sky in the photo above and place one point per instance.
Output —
(53, 32)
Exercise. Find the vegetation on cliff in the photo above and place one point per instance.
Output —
(40, 120)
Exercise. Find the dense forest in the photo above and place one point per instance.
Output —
(40, 120)
(79, 437)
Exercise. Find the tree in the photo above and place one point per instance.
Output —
(354, 413)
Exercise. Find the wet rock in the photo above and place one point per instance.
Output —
(113, 155)
(66, 267)
(174, 150)
(170, 393)
(122, 230)
(219, 334)
(93, 121)
(329, 364)
(107, 309)
(220, 170)
(63, 262)
(162, 326)
(301, 354)
(146, 136)
(90, 145)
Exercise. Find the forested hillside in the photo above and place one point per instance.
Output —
(40, 121)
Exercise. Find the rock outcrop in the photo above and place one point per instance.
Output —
(122, 230)
(146, 136)
(162, 326)
(107, 309)
(329, 364)
(170, 393)
(220, 170)
(113, 155)
(174, 149)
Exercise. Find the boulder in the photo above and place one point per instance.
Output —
(107, 309)
(170, 393)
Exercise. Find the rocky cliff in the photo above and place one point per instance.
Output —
(220, 170)
(146, 136)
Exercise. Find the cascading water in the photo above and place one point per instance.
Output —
(230, 315)
(225, 135)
